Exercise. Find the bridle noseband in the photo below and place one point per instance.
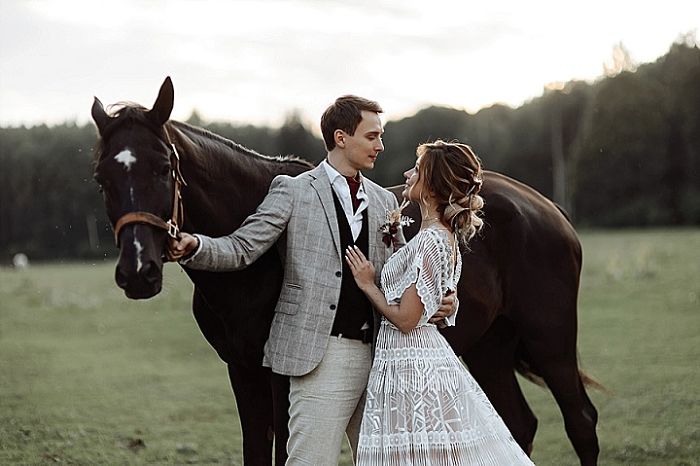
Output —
(172, 226)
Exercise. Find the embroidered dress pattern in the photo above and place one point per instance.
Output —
(423, 406)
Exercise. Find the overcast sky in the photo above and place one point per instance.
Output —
(255, 61)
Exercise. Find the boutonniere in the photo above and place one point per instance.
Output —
(394, 220)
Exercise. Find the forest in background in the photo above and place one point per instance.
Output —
(620, 152)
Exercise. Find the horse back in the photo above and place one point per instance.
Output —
(527, 252)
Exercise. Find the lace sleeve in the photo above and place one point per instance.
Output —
(431, 264)
(423, 262)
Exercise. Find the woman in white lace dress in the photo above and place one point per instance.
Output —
(423, 406)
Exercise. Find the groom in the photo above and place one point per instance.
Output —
(322, 332)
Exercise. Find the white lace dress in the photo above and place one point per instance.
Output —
(423, 406)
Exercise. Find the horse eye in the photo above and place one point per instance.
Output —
(163, 171)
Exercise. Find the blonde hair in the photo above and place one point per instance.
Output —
(452, 173)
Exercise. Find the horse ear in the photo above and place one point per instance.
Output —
(99, 115)
(160, 113)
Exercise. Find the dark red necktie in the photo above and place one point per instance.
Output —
(354, 187)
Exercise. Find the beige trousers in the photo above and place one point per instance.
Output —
(328, 403)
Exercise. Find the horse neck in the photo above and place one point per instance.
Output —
(225, 181)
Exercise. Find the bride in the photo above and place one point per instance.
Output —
(423, 406)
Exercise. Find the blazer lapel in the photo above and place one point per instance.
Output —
(322, 185)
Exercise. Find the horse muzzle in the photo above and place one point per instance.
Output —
(139, 271)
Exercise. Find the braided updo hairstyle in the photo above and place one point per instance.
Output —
(452, 173)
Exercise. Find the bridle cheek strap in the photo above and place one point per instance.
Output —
(172, 226)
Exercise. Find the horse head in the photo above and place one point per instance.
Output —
(134, 168)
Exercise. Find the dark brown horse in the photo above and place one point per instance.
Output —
(518, 292)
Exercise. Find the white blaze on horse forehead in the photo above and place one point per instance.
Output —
(125, 157)
(139, 249)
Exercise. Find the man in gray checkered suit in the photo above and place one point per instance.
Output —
(322, 331)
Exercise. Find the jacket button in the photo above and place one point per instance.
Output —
(339, 274)
(332, 307)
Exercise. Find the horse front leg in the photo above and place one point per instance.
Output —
(252, 389)
(280, 393)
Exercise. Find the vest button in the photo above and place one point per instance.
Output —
(332, 307)
(339, 274)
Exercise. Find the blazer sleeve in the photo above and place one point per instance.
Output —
(252, 239)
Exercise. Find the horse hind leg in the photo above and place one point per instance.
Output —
(580, 416)
(490, 361)
(555, 361)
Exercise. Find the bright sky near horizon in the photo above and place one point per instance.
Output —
(248, 61)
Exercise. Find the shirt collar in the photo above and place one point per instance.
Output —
(334, 174)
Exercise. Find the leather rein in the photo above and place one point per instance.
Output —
(172, 226)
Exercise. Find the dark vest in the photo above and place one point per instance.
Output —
(354, 309)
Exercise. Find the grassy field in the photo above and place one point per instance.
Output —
(89, 377)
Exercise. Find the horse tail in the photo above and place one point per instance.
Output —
(524, 369)
(589, 381)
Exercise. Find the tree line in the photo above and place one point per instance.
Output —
(622, 151)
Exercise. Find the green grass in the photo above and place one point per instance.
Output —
(87, 374)
(88, 377)
(639, 334)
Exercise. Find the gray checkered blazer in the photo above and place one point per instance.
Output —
(299, 211)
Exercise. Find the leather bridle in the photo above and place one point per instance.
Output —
(172, 226)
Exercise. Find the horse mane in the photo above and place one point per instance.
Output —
(207, 138)
(121, 111)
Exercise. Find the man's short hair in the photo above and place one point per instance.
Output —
(345, 114)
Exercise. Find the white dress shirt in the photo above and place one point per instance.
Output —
(342, 190)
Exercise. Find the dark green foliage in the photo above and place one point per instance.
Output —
(50, 207)
(48, 200)
(402, 137)
(623, 151)
(294, 139)
(623, 159)
(638, 161)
